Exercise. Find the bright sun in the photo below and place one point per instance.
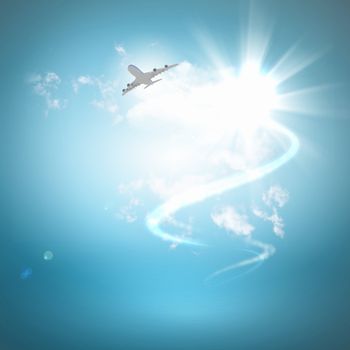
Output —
(200, 111)
(243, 101)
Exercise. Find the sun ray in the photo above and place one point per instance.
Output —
(239, 102)
(256, 38)
(308, 101)
(292, 63)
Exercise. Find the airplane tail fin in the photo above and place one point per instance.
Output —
(153, 82)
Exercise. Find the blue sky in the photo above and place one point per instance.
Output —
(83, 166)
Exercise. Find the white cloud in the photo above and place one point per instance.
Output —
(278, 223)
(46, 86)
(131, 187)
(106, 105)
(54, 103)
(185, 228)
(85, 80)
(108, 100)
(215, 104)
(120, 50)
(229, 219)
(275, 195)
(82, 80)
(108, 91)
(274, 218)
(166, 189)
(128, 211)
(161, 187)
(244, 152)
(177, 91)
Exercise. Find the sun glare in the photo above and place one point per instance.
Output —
(256, 94)
(229, 113)
(208, 114)
(240, 102)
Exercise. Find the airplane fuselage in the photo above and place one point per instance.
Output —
(144, 78)
(140, 77)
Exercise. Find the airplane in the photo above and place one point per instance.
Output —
(144, 78)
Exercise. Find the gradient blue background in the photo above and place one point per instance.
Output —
(112, 285)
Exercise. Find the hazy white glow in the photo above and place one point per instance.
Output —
(232, 104)
(219, 106)
(212, 106)
(199, 193)
(255, 95)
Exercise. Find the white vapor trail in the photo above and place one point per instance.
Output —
(266, 251)
(202, 192)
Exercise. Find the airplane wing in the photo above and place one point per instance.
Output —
(157, 71)
(130, 87)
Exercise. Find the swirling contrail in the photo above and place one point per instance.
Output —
(199, 193)
(266, 251)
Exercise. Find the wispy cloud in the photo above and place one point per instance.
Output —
(46, 86)
(131, 187)
(212, 103)
(244, 153)
(165, 189)
(178, 91)
(275, 197)
(229, 219)
(128, 211)
(106, 105)
(108, 100)
(161, 187)
(82, 80)
(274, 218)
(120, 50)
(108, 91)
(185, 229)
